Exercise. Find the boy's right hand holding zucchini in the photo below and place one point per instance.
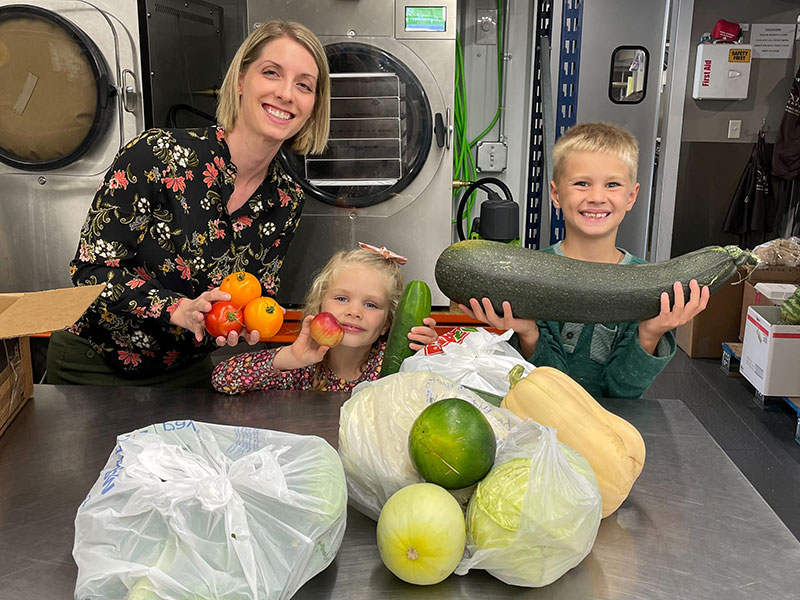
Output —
(526, 329)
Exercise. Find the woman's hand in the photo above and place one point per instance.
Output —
(251, 337)
(424, 334)
(190, 314)
(526, 329)
(304, 350)
(651, 330)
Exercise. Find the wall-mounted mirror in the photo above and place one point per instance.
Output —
(628, 78)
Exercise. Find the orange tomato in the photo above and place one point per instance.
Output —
(243, 287)
(264, 315)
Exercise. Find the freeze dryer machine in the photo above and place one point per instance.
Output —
(69, 99)
(386, 176)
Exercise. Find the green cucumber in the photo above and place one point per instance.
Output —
(414, 305)
(550, 287)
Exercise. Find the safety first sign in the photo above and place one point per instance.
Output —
(722, 72)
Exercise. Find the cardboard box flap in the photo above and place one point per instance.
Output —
(41, 312)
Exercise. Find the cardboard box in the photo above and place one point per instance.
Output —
(770, 353)
(759, 297)
(25, 314)
(702, 337)
(775, 275)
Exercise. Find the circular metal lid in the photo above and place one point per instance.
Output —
(381, 130)
(55, 91)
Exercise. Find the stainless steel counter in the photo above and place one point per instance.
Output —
(693, 527)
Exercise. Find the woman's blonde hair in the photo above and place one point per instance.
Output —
(389, 270)
(596, 137)
(313, 136)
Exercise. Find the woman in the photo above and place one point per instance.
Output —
(181, 209)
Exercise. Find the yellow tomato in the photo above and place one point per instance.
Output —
(243, 287)
(264, 315)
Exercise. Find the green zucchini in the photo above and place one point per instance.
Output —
(550, 287)
(414, 305)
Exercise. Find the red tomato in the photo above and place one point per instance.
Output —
(264, 315)
(243, 287)
(223, 318)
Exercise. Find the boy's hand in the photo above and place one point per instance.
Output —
(651, 330)
(424, 334)
(304, 350)
(526, 329)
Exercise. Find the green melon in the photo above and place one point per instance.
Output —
(452, 444)
(790, 309)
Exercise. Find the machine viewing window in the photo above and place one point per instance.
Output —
(381, 128)
(425, 18)
(628, 79)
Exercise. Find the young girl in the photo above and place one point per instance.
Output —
(361, 288)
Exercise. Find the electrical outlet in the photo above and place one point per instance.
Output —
(734, 129)
(486, 28)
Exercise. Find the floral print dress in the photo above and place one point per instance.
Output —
(159, 231)
(251, 371)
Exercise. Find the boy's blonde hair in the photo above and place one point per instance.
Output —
(313, 136)
(596, 137)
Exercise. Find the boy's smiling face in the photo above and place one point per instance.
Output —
(594, 192)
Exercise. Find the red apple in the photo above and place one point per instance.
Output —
(325, 330)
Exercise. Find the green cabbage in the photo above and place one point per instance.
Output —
(531, 535)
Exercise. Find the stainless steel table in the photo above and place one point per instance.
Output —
(693, 527)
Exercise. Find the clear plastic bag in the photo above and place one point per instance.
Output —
(195, 510)
(471, 356)
(780, 252)
(557, 519)
(373, 433)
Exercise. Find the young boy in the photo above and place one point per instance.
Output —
(594, 185)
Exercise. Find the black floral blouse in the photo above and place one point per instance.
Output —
(158, 231)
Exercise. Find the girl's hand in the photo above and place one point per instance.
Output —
(423, 334)
(190, 314)
(304, 350)
(651, 330)
(526, 329)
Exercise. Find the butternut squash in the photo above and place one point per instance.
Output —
(613, 447)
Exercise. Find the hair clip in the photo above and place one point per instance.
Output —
(385, 253)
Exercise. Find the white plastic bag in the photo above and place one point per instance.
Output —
(780, 252)
(196, 510)
(557, 519)
(471, 356)
(373, 433)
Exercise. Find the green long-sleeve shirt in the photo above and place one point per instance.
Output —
(605, 358)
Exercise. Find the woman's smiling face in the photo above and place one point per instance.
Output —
(277, 90)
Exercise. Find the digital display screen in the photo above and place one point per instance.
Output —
(426, 18)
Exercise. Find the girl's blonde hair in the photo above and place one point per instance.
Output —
(313, 136)
(596, 137)
(388, 269)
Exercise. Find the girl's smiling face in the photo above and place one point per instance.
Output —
(358, 298)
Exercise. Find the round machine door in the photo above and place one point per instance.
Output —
(381, 129)
(54, 99)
